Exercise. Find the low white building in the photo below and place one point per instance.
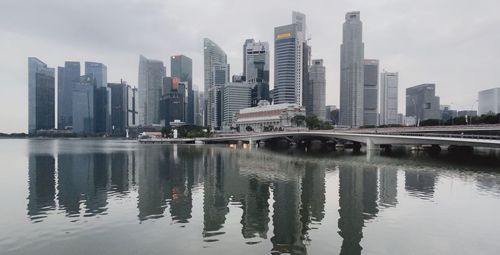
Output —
(489, 101)
(278, 116)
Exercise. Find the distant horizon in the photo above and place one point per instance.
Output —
(442, 46)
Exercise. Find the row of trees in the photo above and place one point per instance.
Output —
(475, 120)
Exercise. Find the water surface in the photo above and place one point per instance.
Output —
(120, 197)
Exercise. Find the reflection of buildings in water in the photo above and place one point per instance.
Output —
(96, 199)
(286, 218)
(73, 180)
(255, 205)
(489, 183)
(41, 174)
(119, 172)
(151, 195)
(357, 200)
(181, 177)
(388, 185)
(312, 197)
(420, 183)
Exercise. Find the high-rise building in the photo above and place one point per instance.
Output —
(257, 62)
(132, 113)
(173, 103)
(351, 71)
(245, 45)
(199, 109)
(370, 92)
(102, 96)
(389, 98)
(215, 99)
(422, 102)
(489, 101)
(300, 19)
(288, 64)
(315, 96)
(66, 77)
(236, 96)
(41, 96)
(151, 73)
(214, 59)
(182, 68)
(119, 107)
(83, 105)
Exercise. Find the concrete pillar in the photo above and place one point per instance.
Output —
(369, 144)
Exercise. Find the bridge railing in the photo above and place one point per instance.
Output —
(468, 136)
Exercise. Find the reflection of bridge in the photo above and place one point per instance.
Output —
(358, 138)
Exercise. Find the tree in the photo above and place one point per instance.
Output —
(249, 129)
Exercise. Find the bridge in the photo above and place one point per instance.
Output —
(371, 140)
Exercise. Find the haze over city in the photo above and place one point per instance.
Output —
(450, 43)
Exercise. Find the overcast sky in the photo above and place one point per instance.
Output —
(453, 43)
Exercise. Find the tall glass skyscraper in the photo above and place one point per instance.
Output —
(287, 65)
(370, 92)
(151, 73)
(182, 68)
(66, 77)
(388, 98)
(351, 71)
(102, 96)
(215, 60)
(41, 96)
(317, 86)
(84, 105)
(256, 55)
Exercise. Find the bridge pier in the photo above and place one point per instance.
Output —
(356, 147)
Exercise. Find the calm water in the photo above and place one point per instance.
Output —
(119, 197)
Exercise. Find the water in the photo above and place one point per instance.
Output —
(120, 197)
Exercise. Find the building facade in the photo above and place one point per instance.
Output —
(370, 92)
(151, 73)
(182, 68)
(83, 105)
(422, 102)
(66, 77)
(215, 59)
(315, 103)
(236, 96)
(351, 71)
(41, 96)
(257, 62)
(132, 118)
(278, 116)
(119, 107)
(489, 101)
(288, 65)
(215, 112)
(389, 98)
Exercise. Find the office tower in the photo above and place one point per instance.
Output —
(306, 63)
(332, 114)
(370, 92)
(300, 19)
(83, 105)
(132, 106)
(351, 71)
(422, 102)
(316, 94)
(213, 56)
(66, 76)
(198, 112)
(215, 111)
(257, 62)
(288, 65)
(489, 101)
(173, 103)
(236, 96)
(119, 107)
(41, 96)
(389, 98)
(182, 68)
(102, 97)
(151, 73)
(245, 45)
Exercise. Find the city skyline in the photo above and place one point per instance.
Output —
(420, 51)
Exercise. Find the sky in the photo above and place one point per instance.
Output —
(453, 43)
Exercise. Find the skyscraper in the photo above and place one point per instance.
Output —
(351, 71)
(83, 105)
(389, 98)
(370, 92)
(489, 101)
(132, 95)
(289, 62)
(102, 96)
(151, 73)
(119, 107)
(41, 96)
(317, 85)
(215, 100)
(182, 68)
(66, 77)
(236, 96)
(245, 45)
(287, 65)
(422, 102)
(213, 55)
(256, 55)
